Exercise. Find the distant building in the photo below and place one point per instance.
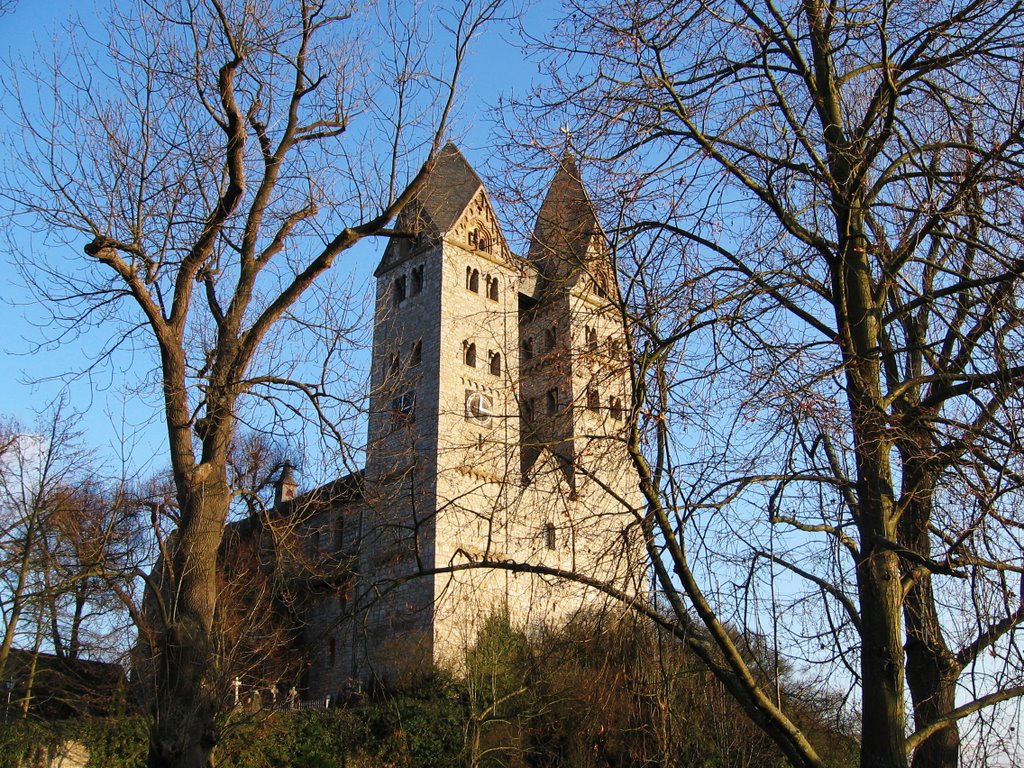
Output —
(497, 413)
(53, 687)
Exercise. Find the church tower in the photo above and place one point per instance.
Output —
(495, 400)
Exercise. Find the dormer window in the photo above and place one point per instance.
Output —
(473, 279)
(469, 353)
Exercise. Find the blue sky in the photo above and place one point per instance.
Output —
(119, 423)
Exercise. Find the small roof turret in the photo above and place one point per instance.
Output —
(287, 486)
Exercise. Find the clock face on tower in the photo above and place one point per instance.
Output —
(479, 407)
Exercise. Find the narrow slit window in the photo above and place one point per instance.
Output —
(550, 540)
(398, 290)
(416, 356)
(417, 280)
(593, 397)
(339, 532)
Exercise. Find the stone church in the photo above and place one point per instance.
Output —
(495, 458)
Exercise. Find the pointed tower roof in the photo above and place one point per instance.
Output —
(449, 189)
(566, 225)
(441, 202)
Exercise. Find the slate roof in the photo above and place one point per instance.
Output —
(449, 189)
(566, 225)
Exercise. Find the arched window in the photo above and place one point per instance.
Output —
(551, 402)
(416, 356)
(398, 290)
(591, 338)
(549, 536)
(492, 288)
(528, 412)
(473, 279)
(615, 348)
(479, 239)
(469, 353)
(495, 363)
(616, 408)
(527, 349)
(549, 339)
(417, 280)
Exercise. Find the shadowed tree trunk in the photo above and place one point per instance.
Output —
(220, 157)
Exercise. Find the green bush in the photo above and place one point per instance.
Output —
(421, 727)
(310, 738)
(112, 742)
(121, 742)
(20, 739)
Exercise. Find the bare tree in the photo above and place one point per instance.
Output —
(219, 157)
(68, 546)
(818, 212)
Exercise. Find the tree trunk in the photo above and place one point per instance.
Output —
(932, 670)
(883, 737)
(188, 698)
